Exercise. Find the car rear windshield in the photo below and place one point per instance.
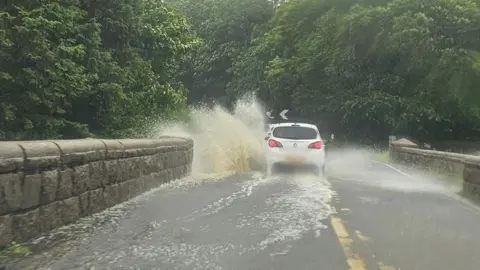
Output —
(295, 133)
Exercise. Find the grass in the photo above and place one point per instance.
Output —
(12, 251)
(382, 157)
(335, 144)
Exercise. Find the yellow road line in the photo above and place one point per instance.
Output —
(354, 260)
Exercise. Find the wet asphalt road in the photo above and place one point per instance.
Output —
(364, 216)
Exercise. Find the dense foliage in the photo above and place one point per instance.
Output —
(375, 67)
(74, 67)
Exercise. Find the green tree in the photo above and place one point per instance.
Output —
(376, 66)
(42, 50)
(225, 29)
(73, 67)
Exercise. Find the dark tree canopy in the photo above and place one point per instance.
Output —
(69, 68)
(375, 67)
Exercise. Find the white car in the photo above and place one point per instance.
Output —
(295, 145)
(270, 128)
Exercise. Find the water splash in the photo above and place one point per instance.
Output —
(224, 141)
(367, 167)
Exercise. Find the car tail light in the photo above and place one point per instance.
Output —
(315, 145)
(272, 143)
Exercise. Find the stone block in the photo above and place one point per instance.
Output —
(471, 174)
(143, 165)
(6, 230)
(49, 186)
(135, 167)
(170, 175)
(124, 191)
(65, 184)
(40, 154)
(136, 187)
(184, 157)
(168, 160)
(177, 159)
(137, 144)
(91, 202)
(124, 170)
(176, 173)
(150, 181)
(50, 216)
(128, 168)
(138, 147)
(131, 188)
(157, 162)
(97, 175)
(149, 165)
(70, 210)
(130, 153)
(84, 202)
(81, 179)
(26, 225)
(115, 149)
(157, 179)
(11, 195)
(190, 155)
(32, 189)
(11, 157)
(96, 201)
(162, 177)
(112, 172)
(184, 170)
(471, 189)
(75, 152)
(111, 195)
(143, 183)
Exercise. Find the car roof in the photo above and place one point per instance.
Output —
(296, 124)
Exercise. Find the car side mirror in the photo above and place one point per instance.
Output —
(266, 138)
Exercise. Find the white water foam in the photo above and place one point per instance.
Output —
(358, 165)
(299, 209)
(224, 140)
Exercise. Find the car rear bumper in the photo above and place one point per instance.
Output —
(285, 167)
(279, 164)
(307, 160)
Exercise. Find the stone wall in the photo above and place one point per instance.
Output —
(462, 147)
(453, 164)
(47, 184)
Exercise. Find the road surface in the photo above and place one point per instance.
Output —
(364, 216)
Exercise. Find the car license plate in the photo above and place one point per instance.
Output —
(295, 159)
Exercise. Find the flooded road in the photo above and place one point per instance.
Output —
(365, 216)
